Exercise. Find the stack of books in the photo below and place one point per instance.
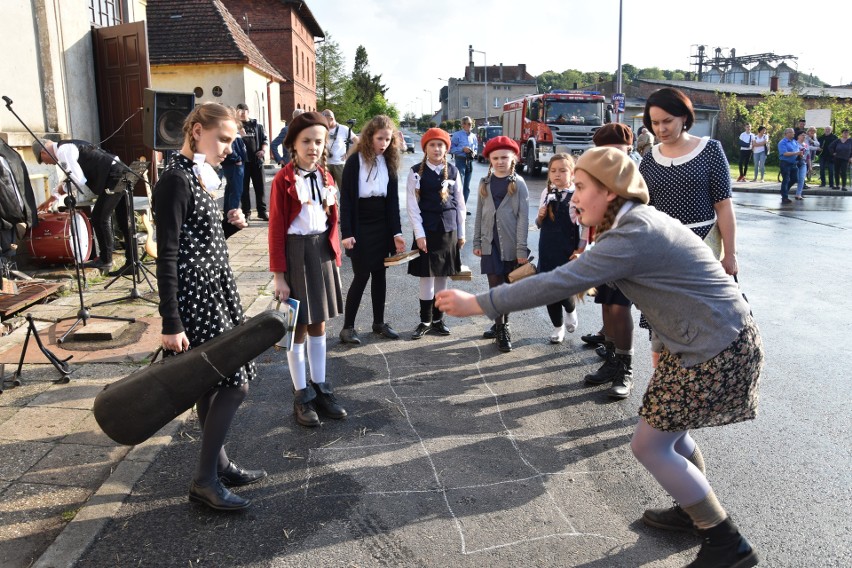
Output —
(402, 257)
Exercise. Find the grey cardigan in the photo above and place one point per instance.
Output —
(664, 268)
(512, 220)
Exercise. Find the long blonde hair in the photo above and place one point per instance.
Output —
(484, 182)
(209, 115)
(365, 142)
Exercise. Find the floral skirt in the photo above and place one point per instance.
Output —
(723, 390)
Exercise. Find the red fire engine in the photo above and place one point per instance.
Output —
(559, 121)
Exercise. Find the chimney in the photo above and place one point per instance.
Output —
(501, 71)
(522, 70)
(773, 83)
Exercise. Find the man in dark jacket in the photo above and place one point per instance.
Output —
(102, 173)
(17, 201)
(841, 149)
(256, 143)
(826, 158)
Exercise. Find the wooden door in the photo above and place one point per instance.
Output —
(122, 74)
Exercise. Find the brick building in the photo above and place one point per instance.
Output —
(284, 31)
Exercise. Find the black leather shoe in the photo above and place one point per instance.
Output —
(350, 336)
(263, 216)
(671, 519)
(126, 268)
(593, 339)
(490, 333)
(304, 409)
(723, 545)
(326, 403)
(600, 351)
(421, 330)
(385, 330)
(235, 476)
(439, 327)
(216, 497)
(97, 263)
(504, 338)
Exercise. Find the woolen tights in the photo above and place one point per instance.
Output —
(216, 410)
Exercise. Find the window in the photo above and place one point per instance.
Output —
(103, 13)
(198, 92)
(497, 102)
(217, 91)
(297, 61)
(465, 102)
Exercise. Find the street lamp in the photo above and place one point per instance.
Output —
(618, 79)
(431, 108)
(485, 77)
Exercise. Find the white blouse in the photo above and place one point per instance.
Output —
(373, 179)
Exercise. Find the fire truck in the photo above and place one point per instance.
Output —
(558, 121)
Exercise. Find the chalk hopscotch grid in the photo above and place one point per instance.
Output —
(441, 488)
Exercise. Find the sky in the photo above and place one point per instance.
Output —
(415, 43)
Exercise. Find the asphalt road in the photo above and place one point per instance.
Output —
(457, 455)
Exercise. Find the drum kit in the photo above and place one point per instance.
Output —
(65, 237)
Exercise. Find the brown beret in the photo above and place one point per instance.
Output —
(616, 171)
(435, 134)
(304, 120)
(613, 133)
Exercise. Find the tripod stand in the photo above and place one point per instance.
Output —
(135, 269)
(83, 314)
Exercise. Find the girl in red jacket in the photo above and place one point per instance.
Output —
(304, 256)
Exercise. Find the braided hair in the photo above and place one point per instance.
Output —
(327, 181)
(445, 191)
(483, 192)
(550, 187)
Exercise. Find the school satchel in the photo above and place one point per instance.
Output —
(522, 271)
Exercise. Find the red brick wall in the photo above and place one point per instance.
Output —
(281, 36)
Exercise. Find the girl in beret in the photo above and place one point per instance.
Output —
(502, 223)
(370, 227)
(712, 356)
(436, 208)
(304, 256)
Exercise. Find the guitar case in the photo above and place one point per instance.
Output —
(132, 409)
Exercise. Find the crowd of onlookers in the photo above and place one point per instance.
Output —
(800, 150)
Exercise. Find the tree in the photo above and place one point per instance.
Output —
(331, 74)
(366, 86)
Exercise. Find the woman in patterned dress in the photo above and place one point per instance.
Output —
(198, 293)
(710, 365)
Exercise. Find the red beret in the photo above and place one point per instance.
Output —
(435, 134)
(501, 143)
(304, 120)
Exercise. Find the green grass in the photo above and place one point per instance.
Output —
(771, 172)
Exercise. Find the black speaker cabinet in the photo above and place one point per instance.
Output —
(164, 117)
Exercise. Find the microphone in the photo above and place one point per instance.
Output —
(8, 100)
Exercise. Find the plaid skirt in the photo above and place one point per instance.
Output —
(314, 278)
(723, 390)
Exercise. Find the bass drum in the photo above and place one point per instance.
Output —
(51, 243)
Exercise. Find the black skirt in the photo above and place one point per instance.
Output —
(313, 278)
(372, 239)
(442, 259)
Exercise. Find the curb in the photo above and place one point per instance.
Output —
(103, 505)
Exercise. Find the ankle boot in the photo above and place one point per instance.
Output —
(303, 407)
(504, 338)
(438, 325)
(724, 547)
(622, 382)
(326, 402)
(607, 372)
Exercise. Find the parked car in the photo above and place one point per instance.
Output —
(483, 135)
(409, 143)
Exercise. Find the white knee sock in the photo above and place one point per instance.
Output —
(427, 288)
(440, 283)
(316, 358)
(296, 362)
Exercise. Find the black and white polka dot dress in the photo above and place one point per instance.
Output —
(687, 187)
(207, 298)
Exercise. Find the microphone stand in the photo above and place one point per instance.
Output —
(83, 314)
(136, 270)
